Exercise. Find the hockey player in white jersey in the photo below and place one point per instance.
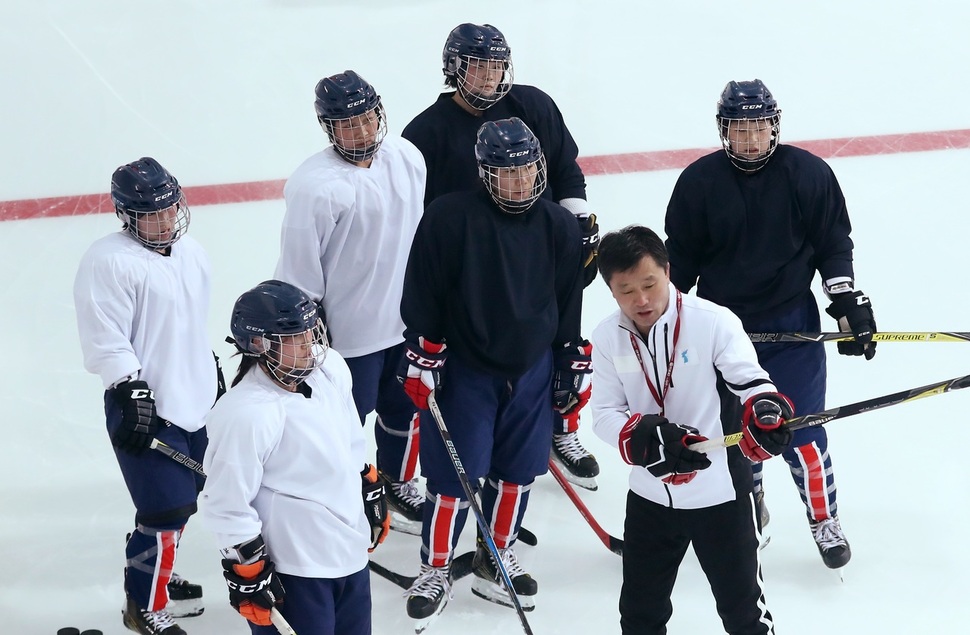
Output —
(291, 509)
(351, 213)
(142, 301)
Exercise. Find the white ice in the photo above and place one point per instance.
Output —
(221, 92)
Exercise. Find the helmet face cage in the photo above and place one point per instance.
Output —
(357, 138)
(291, 358)
(482, 82)
(515, 189)
(157, 230)
(750, 142)
(749, 124)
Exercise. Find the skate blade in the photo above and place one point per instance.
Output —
(496, 594)
(421, 625)
(404, 525)
(586, 482)
(185, 608)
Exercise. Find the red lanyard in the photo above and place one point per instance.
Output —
(659, 396)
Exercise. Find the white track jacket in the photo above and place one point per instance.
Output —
(288, 467)
(712, 345)
(346, 238)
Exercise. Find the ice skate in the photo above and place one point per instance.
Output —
(429, 595)
(832, 545)
(488, 584)
(406, 505)
(149, 622)
(184, 597)
(578, 465)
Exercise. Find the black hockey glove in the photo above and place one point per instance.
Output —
(651, 441)
(853, 311)
(591, 242)
(375, 505)
(763, 433)
(254, 589)
(139, 422)
(571, 378)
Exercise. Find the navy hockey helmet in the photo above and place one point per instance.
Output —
(511, 164)
(268, 322)
(749, 123)
(149, 201)
(350, 111)
(478, 62)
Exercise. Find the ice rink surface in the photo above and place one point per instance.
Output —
(221, 92)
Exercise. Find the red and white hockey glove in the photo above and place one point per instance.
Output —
(655, 443)
(420, 369)
(375, 505)
(571, 379)
(763, 434)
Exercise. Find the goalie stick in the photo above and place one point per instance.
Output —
(884, 336)
(849, 410)
(612, 543)
(460, 567)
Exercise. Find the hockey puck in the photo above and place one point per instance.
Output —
(68, 630)
(92, 631)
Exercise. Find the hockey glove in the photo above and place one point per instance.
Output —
(420, 369)
(853, 311)
(139, 422)
(763, 434)
(651, 441)
(375, 505)
(254, 589)
(591, 241)
(571, 379)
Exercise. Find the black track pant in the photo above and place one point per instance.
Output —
(726, 544)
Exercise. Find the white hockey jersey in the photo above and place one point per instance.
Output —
(711, 341)
(288, 467)
(346, 237)
(140, 311)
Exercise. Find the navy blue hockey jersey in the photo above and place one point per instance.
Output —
(753, 242)
(445, 134)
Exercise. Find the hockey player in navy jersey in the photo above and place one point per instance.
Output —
(477, 65)
(492, 302)
(142, 300)
(351, 212)
(750, 226)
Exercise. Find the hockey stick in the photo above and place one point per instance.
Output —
(460, 567)
(476, 508)
(884, 336)
(849, 410)
(178, 457)
(612, 543)
(278, 620)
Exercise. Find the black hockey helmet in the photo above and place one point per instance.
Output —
(508, 147)
(145, 187)
(749, 101)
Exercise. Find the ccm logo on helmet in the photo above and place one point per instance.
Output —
(518, 154)
(356, 103)
(306, 316)
(162, 197)
(753, 107)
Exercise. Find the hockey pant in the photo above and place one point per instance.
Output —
(164, 494)
(322, 606)
(799, 371)
(396, 430)
(501, 429)
(725, 542)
